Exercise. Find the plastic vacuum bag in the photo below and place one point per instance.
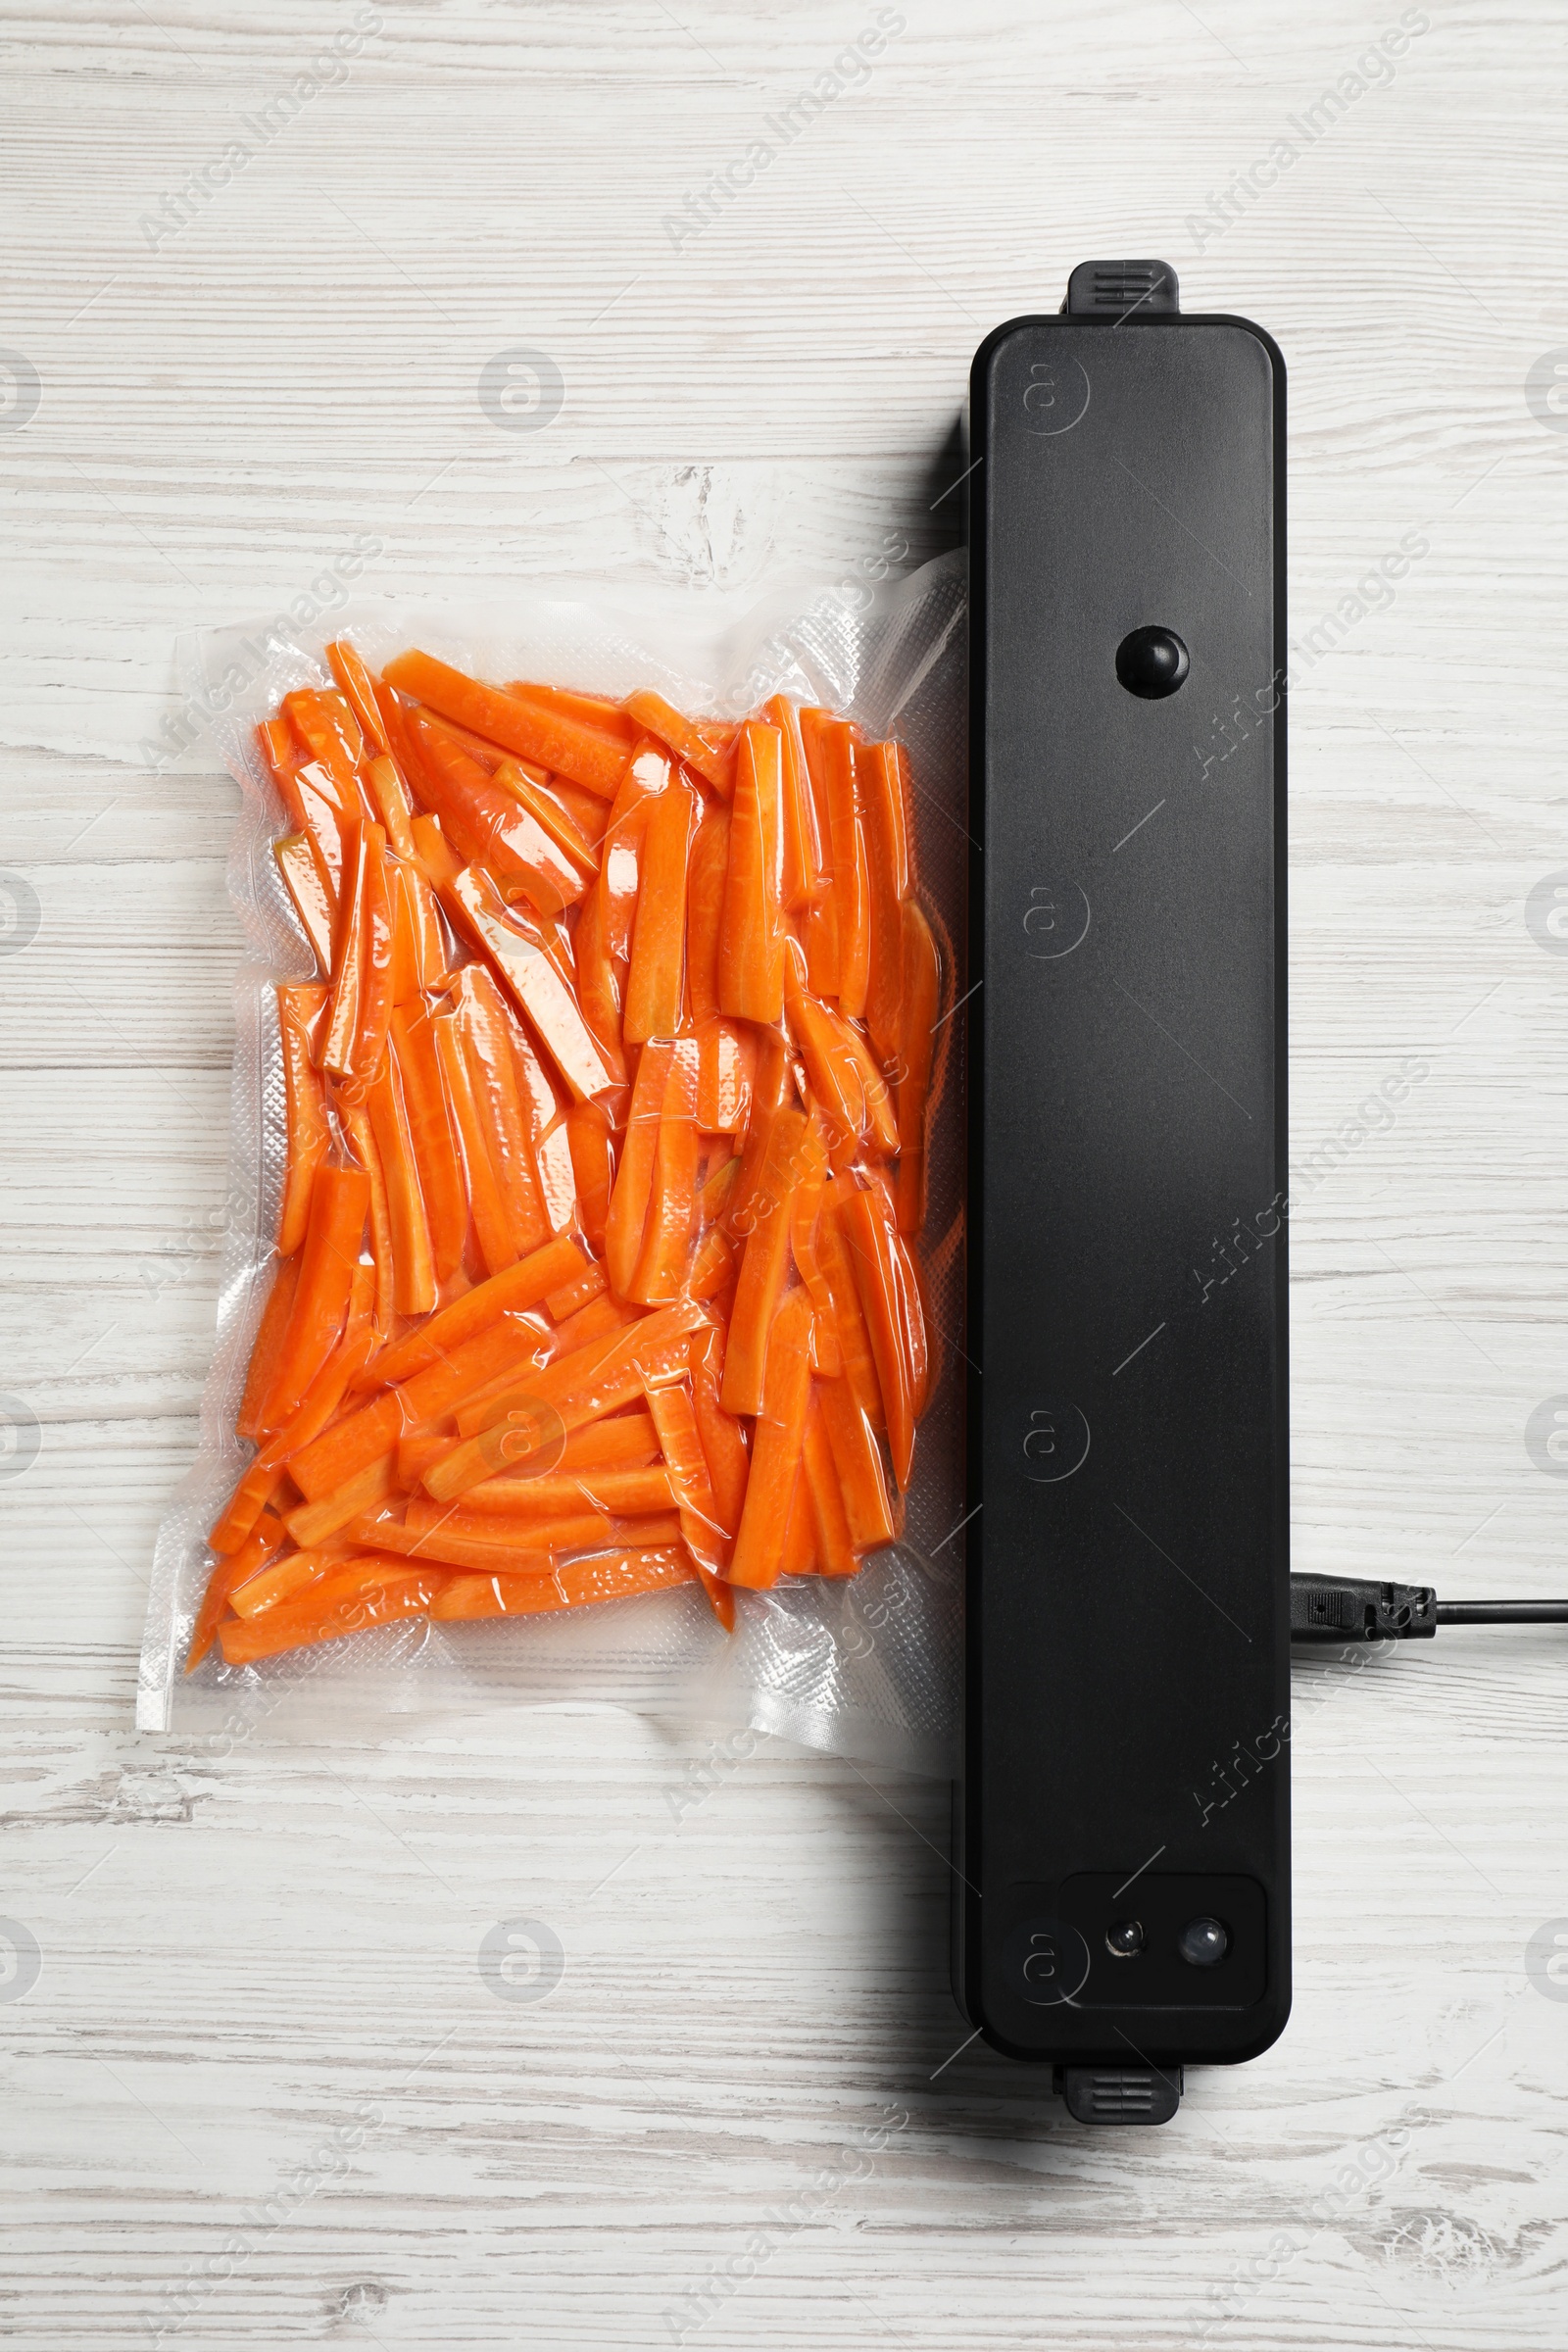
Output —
(867, 1665)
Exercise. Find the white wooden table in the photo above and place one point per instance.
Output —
(258, 2092)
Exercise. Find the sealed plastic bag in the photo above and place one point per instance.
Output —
(593, 1282)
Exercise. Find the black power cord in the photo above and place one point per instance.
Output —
(1346, 1608)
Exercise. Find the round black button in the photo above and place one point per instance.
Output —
(1152, 662)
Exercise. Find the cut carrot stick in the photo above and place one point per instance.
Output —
(374, 1012)
(754, 1320)
(759, 1556)
(853, 1340)
(704, 912)
(593, 710)
(802, 851)
(881, 768)
(226, 1579)
(433, 1126)
(393, 804)
(654, 985)
(340, 1201)
(359, 690)
(593, 1167)
(525, 969)
(705, 744)
(264, 1353)
(835, 1543)
(867, 1226)
(380, 1596)
(533, 730)
(627, 1215)
(799, 1536)
(494, 827)
(368, 1487)
(921, 991)
(492, 1222)
(669, 1226)
(555, 820)
(354, 1121)
(342, 1016)
(309, 882)
(544, 1119)
(484, 1028)
(577, 1584)
(299, 1007)
(862, 1480)
(751, 945)
(821, 915)
(851, 881)
(805, 1218)
(687, 1477)
(327, 727)
(613, 1489)
(286, 1579)
(414, 1270)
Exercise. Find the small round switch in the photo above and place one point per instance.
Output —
(1152, 662)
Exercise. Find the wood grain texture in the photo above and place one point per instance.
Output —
(259, 2094)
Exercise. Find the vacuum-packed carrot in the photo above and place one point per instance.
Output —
(593, 1167)
(844, 1079)
(799, 1556)
(593, 710)
(705, 744)
(343, 1605)
(713, 1266)
(393, 804)
(687, 1475)
(599, 985)
(835, 1543)
(857, 1458)
(821, 932)
(533, 730)
(728, 1052)
(376, 977)
(704, 912)
(868, 1225)
(341, 1022)
(299, 1007)
(432, 1127)
(647, 777)
(613, 1489)
(802, 852)
(413, 1269)
(670, 1225)
(327, 727)
(354, 1121)
(527, 972)
(659, 935)
(576, 1583)
(260, 1379)
(494, 827)
(544, 1119)
(758, 1555)
(881, 768)
(838, 1271)
(226, 1579)
(751, 944)
(492, 1222)
(358, 688)
(340, 1199)
(286, 1580)
(921, 990)
(551, 816)
(723, 1436)
(628, 1202)
(755, 1321)
(305, 876)
(326, 1515)
(466, 1539)
(805, 1218)
(484, 1025)
(851, 882)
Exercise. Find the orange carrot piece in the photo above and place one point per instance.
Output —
(393, 804)
(686, 1473)
(758, 1555)
(484, 1028)
(576, 1583)
(258, 1482)
(822, 917)
(704, 912)
(372, 1485)
(527, 972)
(868, 1225)
(799, 1536)
(531, 729)
(594, 710)
(456, 1538)
(881, 770)
(654, 985)
(728, 1056)
(341, 1021)
(433, 1132)
(264, 1355)
(320, 1401)
(226, 1579)
(493, 826)
(601, 1320)
(921, 990)
(707, 745)
(613, 1489)
(755, 1322)
(802, 852)
(845, 1081)
(627, 1215)
(851, 880)
(599, 985)
(723, 1436)
(287, 1579)
(806, 1215)
(552, 818)
(299, 1005)
(669, 1226)
(340, 1199)
(835, 1545)
(593, 1167)
(308, 880)
(714, 1265)
(750, 946)
(855, 1343)
(492, 1222)
(327, 728)
(414, 1270)
(359, 690)
(375, 1011)
(378, 1597)
(544, 1119)
(511, 1292)
(857, 1459)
